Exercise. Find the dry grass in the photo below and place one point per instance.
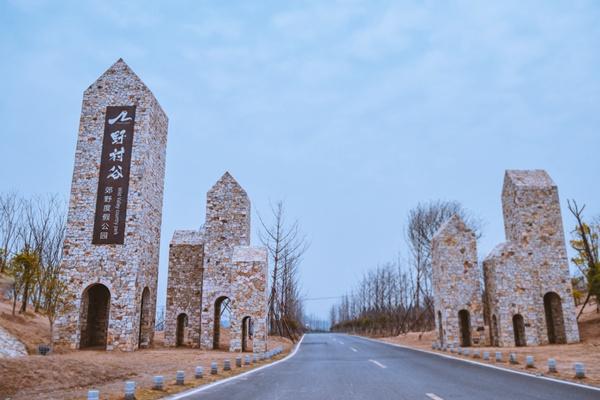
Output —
(71, 374)
(587, 352)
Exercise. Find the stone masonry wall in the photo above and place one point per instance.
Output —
(231, 268)
(124, 269)
(533, 261)
(184, 286)
(456, 283)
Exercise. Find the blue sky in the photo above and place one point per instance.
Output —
(350, 111)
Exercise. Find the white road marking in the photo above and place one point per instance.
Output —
(380, 365)
(433, 396)
(353, 349)
(341, 342)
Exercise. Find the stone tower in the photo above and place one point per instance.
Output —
(216, 268)
(111, 247)
(456, 285)
(527, 278)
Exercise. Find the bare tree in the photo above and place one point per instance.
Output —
(286, 245)
(10, 209)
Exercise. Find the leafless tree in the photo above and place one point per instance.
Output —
(10, 210)
(286, 245)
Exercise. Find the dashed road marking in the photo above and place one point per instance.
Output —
(380, 365)
(353, 349)
(433, 396)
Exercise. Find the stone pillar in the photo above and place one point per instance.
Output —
(115, 211)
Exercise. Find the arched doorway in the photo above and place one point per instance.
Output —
(247, 333)
(554, 318)
(494, 332)
(182, 323)
(145, 319)
(519, 330)
(95, 311)
(440, 327)
(221, 323)
(464, 321)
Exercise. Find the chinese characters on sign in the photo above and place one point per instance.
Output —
(113, 182)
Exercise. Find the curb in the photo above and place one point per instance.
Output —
(190, 392)
(547, 378)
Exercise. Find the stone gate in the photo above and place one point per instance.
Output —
(214, 268)
(111, 248)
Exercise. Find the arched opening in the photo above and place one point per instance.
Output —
(247, 333)
(182, 323)
(440, 327)
(494, 332)
(519, 330)
(145, 320)
(221, 323)
(95, 311)
(464, 321)
(554, 318)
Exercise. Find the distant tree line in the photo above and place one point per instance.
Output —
(32, 232)
(396, 297)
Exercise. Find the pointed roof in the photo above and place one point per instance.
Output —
(453, 224)
(227, 181)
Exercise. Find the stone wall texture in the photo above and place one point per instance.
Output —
(129, 270)
(456, 284)
(230, 268)
(527, 277)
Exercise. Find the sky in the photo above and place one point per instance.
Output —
(351, 112)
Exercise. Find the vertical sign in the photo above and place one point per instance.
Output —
(113, 182)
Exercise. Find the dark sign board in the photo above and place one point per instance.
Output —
(113, 182)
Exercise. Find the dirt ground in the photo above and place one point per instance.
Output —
(587, 352)
(71, 374)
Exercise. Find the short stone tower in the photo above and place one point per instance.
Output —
(112, 240)
(216, 268)
(527, 279)
(458, 301)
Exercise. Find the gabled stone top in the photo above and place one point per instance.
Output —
(499, 250)
(227, 181)
(189, 237)
(453, 224)
(249, 254)
(535, 178)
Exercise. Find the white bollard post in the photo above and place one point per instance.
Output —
(93, 395)
(579, 370)
(512, 357)
(158, 382)
(199, 372)
(486, 355)
(530, 362)
(179, 377)
(129, 390)
(498, 356)
(551, 365)
(213, 368)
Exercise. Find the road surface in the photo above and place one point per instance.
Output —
(335, 366)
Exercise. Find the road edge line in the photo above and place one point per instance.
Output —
(190, 392)
(547, 378)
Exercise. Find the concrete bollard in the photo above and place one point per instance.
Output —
(213, 368)
(466, 352)
(93, 395)
(486, 355)
(130, 390)
(452, 350)
(158, 382)
(579, 370)
(261, 357)
(238, 362)
(255, 358)
(551, 365)
(498, 356)
(226, 365)
(512, 358)
(199, 372)
(529, 362)
(433, 345)
(476, 354)
(459, 350)
(247, 360)
(179, 377)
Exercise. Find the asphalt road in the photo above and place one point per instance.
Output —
(333, 366)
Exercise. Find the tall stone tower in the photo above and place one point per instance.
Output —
(456, 285)
(216, 268)
(112, 240)
(527, 278)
